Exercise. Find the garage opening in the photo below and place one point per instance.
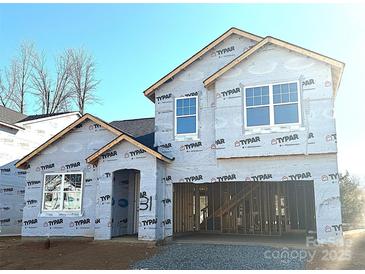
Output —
(125, 199)
(248, 208)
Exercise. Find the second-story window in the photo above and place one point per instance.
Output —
(186, 116)
(273, 104)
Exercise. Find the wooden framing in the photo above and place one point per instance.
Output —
(337, 66)
(22, 163)
(149, 92)
(92, 159)
(264, 208)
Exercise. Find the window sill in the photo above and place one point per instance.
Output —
(273, 129)
(184, 138)
(61, 214)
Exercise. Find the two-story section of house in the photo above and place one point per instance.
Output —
(244, 142)
(250, 123)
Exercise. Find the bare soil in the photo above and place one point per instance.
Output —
(79, 253)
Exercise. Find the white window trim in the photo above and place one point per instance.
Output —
(186, 135)
(61, 210)
(271, 106)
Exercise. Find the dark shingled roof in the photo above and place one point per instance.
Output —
(10, 116)
(135, 127)
(143, 130)
(40, 116)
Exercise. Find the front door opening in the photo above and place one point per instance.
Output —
(251, 208)
(125, 202)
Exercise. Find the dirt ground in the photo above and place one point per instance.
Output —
(70, 254)
(84, 253)
(350, 256)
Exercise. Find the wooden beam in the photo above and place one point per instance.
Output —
(337, 65)
(149, 92)
(92, 159)
(22, 163)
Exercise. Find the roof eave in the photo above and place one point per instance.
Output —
(151, 90)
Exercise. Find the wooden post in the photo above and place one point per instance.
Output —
(197, 208)
(279, 207)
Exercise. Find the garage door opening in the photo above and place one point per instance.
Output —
(247, 208)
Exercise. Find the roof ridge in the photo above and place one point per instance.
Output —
(132, 119)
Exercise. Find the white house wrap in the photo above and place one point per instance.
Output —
(130, 180)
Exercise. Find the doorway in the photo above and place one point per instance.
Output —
(125, 202)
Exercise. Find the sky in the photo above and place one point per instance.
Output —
(134, 45)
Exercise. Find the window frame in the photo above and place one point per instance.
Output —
(191, 135)
(62, 191)
(271, 106)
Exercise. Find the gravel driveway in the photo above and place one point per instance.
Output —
(219, 256)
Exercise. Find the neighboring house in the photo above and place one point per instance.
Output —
(244, 141)
(19, 135)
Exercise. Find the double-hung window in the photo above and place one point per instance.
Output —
(62, 192)
(186, 118)
(273, 104)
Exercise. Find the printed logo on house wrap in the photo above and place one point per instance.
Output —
(332, 177)
(104, 199)
(167, 179)
(136, 154)
(218, 144)
(165, 147)
(194, 93)
(96, 127)
(81, 224)
(70, 166)
(311, 136)
(5, 171)
(192, 147)
(229, 94)
(261, 177)
(165, 98)
(191, 179)
(296, 177)
(7, 190)
(5, 208)
(54, 224)
(31, 223)
(251, 142)
(287, 140)
(225, 52)
(31, 203)
(5, 222)
(224, 178)
(331, 138)
(335, 228)
(45, 167)
(33, 184)
(308, 84)
(109, 156)
(148, 222)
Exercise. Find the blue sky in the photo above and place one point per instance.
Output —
(136, 44)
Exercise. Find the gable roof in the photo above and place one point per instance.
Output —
(22, 162)
(136, 127)
(336, 66)
(149, 92)
(92, 159)
(43, 116)
(9, 116)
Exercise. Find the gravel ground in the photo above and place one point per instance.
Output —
(213, 256)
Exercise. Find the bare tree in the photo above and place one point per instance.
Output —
(14, 85)
(7, 85)
(53, 96)
(83, 78)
